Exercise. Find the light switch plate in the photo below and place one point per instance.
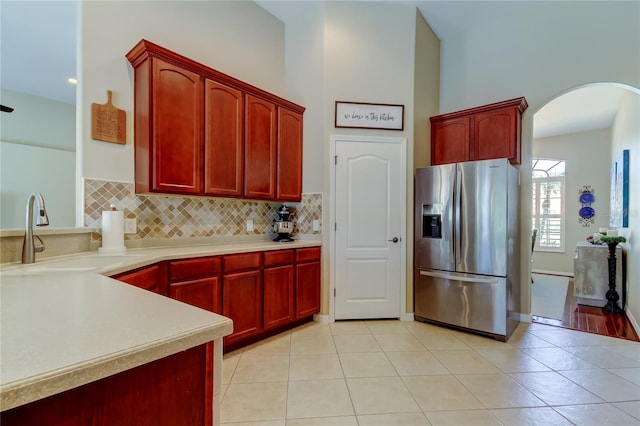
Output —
(249, 225)
(316, 225)
(130, 226)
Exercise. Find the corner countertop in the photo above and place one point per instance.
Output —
(63, 323)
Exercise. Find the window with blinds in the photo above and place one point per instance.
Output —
(548, 204)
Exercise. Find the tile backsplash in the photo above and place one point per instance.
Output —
(166, 217)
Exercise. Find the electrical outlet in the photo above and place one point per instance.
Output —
(316, 225)
(249, 225)
(130, 226)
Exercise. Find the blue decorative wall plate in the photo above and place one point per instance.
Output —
(587, 198)
(587, 212)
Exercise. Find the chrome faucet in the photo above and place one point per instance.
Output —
(29, 248)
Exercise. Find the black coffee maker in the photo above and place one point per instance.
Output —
(284, 225)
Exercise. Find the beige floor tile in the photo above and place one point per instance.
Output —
(630, 374)
(312, 329)
(564, 337)
(229, 365)
(304, 344)
(356, 343)
(530, 416)
(597, 415)
(458, 418)
(315, 367)
(368, 364)
(404, 419)
(419, 327)
(258, 423)
(266, 369)
(465, 361)
(555, 389)
(399, 342)
(499, 391)
(441, 341)
(441, 393)
(273, 346)
(349, 327)
(606, 385)
(245, 402)
(482, 342)
(318, 398)
(420, 363)
(324, 421)
(386, 327)
(511, 360)
(558, 359)
(604, 357)
(380, 395)
(632, 408)
(521, 338)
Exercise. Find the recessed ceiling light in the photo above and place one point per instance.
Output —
(72, 81)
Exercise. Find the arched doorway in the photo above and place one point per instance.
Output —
(576, 128)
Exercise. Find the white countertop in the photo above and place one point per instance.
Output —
(64, 324)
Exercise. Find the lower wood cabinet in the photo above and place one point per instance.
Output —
(261, 292)
(242, 295)
(152, 278)
(307, 282)
(279, 288)
(197, 282)
(175, 390)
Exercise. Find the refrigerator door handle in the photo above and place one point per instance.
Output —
(458, 219)
(458, 277)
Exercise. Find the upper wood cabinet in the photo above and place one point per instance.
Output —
(289, 162)
(223, 140)
(201, 132)
(260, 149)
(481, 133)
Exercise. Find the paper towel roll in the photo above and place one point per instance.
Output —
(112, 232)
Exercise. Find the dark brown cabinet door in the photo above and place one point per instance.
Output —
(278, 296)
(260, 148)
(176, 129)
(197, 282)
(223, 140)
(307, 282)
(204, 293)
(242, 302)
(495, 135)
(450, 141)
(152, 278)
(289, 159)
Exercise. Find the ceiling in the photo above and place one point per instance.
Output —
(38, 40)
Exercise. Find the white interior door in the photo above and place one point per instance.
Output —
(369, 227)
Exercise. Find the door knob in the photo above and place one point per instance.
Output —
(394, 239)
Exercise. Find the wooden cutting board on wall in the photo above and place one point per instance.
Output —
(108, 123)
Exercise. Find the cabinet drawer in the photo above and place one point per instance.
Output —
(188, 269)
(277, 258)
(308, 254)
(241, 262)
(152, 278)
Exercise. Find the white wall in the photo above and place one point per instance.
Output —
(237, 38)
(541, 51)
(587, 156)
(37, 154)
(626, 135)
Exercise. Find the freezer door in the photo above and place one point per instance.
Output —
(473, 302)
(481, 195)
(434, 217)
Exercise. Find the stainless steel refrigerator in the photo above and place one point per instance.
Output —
(467, 250)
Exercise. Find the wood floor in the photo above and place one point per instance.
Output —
(591, 319)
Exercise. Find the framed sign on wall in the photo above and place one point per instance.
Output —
(620, 191)
(369, 116)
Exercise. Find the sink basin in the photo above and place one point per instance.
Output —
(79, 264)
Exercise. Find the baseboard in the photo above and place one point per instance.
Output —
(407, 316)
(632, 320)
(323, 319)
(558, 273)
(522, 317)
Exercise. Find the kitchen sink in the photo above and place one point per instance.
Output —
(79, 264)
